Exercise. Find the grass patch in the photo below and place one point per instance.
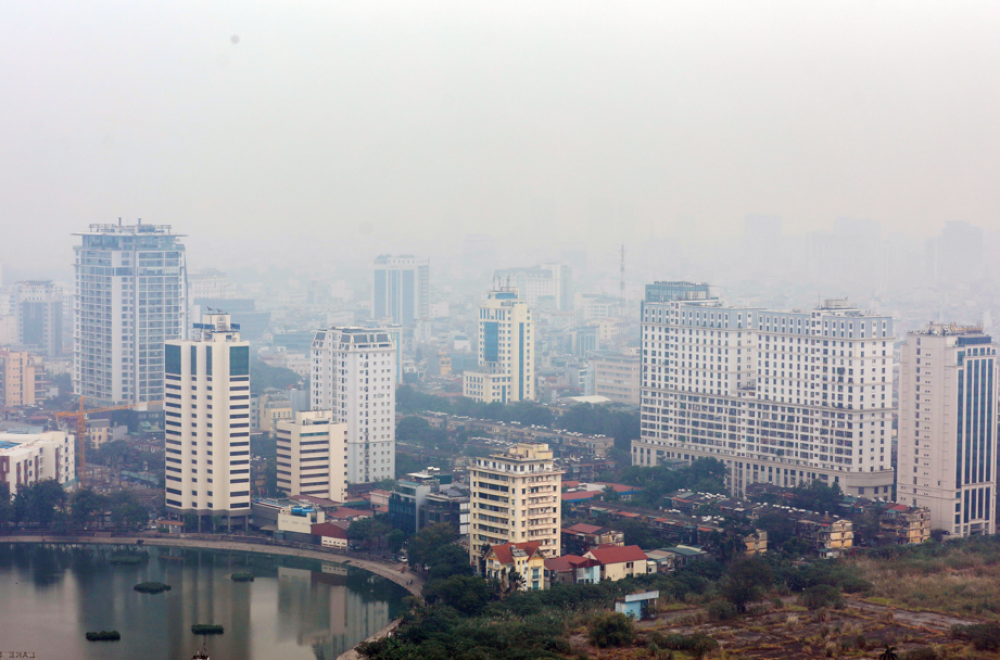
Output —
(151, 587)
(206, 629)
(242, 577)
(104, 636)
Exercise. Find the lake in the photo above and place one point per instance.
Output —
(296, 608)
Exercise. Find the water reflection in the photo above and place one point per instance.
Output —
(296, 608)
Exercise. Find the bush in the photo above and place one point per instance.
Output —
(721, 610)
(611, 629)
(923, 653)
(820, 596)
(104, 636)
(242, 577)
(984, 636)
(206, 629)
(151, 587)
(697, 645)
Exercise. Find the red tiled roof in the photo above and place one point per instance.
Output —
(344, 513)
(329, 529)
(504, 555)
(620, 488)
(580, 495)
(616, 554)
(582, 528)
(570, 484)
(568, 563)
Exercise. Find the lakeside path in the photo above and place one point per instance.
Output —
(383, 569)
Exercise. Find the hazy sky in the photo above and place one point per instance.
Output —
(260, 125)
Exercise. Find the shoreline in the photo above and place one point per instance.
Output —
(378, 568)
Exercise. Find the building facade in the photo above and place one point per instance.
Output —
(506, 370)
(617, 377)
(131, 297)
(947, 442)
(548, 286)
(22, 379)
(27, 458)
(515, 498)
(353, 376)
(312, 455)
(39, 312)
(207, 422)
(402, 289)
(781, 397)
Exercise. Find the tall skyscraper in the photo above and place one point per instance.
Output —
(207, 408)
(947, 442)
(39, 312)
(506, 370)
(515, 497)
(402, 289)
(353, 375)
(780, 397)
(131, 297)
(312, 455)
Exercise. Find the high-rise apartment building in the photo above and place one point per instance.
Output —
(947, 442)
(353, 375)
(312, 455)
(780, 397)
(402, 289)
(131, 297)
(515, 498)
(22, 379)
(506, 370)
(548, 285)
(39, 313)
(617, 377)
(207, 422)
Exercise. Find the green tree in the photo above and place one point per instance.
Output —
(427, 542)
(745, 581)
(609, 494)
(85, 506)
(611, 629)
(448, 560)
(395, 540)
(38, 502)
(6, 505)
(127, 513)
(466, 593)
(370, 532)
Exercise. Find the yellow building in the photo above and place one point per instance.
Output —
(524, 558)
(22, 379)
(756, 543)
(619, 562)
(515, 498)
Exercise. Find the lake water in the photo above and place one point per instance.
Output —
(51, 595)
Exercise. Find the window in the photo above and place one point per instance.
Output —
(239, 360)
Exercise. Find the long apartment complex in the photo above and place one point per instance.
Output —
(780, 397)
(131, 297)
(312, 455)
(515, 498)
(506, 371)
(353, 375)
(947, 442)
(207, 422)
(27, 458)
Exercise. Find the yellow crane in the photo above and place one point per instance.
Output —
(81, 428)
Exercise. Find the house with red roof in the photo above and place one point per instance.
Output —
(572, 569)
(618, 561)
(525, 558)
(580, 538)
(331, 536)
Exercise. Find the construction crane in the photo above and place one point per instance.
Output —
(81, 428)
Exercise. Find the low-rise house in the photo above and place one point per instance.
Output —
(681, 555)
(581, 538)
(618, 561)
(906, 524)
(524, 558)
(572, 569)
(756, 543)
(830, 537)
(330, 535)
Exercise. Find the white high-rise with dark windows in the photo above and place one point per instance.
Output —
(131, 297)
(401, 289)
(947, 442)
(207, 422)
(780, 397)
(353, 375)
